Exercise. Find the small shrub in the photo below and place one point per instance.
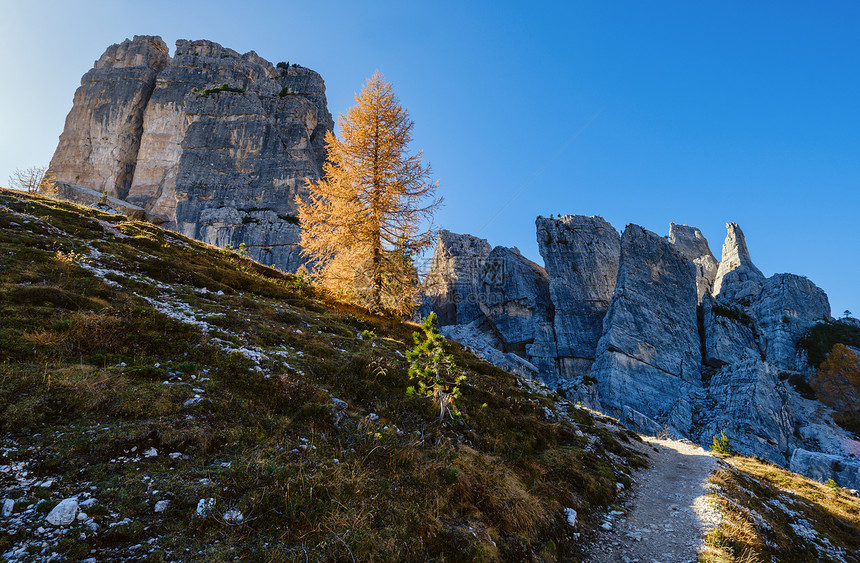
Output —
(434, 369)
(282, 64)
(722, 445)
(285, 91)
(368, 335)
(290, 218)
(833, 485)
(222, 88)
(731, 313)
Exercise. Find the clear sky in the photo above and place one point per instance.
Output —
(698, 112)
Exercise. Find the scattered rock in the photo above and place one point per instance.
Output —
(162, 505)
(233, 516)
(205, 507)
(64, 513)
(8, 508)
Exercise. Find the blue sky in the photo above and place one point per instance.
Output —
(706, 112)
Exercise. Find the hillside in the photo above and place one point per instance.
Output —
(139, 366)
(198, 406)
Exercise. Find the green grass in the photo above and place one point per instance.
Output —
(92, 374)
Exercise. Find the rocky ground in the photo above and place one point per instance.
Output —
(667, 513)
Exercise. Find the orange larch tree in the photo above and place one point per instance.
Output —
(371, 210)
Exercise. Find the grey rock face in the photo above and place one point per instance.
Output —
(581, 256)
(451, 285)
(821, 467)
(748, 401)
(690, 242)
(222, 166)
(514, 295)
(737, 277)
(99, 144)
(728, 332)
(650, 353)
(787, 306)
(480, 337)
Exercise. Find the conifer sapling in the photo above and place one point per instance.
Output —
(434, 369)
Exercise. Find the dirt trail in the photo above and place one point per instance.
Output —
(666, 515)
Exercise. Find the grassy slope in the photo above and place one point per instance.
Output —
(95, 370)
(774, 515)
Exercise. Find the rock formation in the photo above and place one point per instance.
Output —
(514, 296)
(99, 144)
(211, 143)
(581, 256)
(451, 286)
(737, 277)
(690, 242)
(650, 352)
(787, 306)
(684, 344)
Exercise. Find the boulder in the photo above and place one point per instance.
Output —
(64, 513)
(514, 296)
(821, 467)
(581, 256)
(650, 353)
(451, 285)
(690, 242)
(737, 277)
(786, 307)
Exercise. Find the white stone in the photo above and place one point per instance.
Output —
(571, 516)
(233, 516)
(8, 507)
(151, 452)
(162, 505)
(205, 506)
(64, 513)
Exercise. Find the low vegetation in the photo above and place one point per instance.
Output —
(138, 366)
(773, 515)
(221, 88)
(819, 340)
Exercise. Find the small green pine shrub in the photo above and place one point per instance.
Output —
(722, 445)
(289, 218)
(434, 369)
(282, 64)
(833, 485)
(285, 91)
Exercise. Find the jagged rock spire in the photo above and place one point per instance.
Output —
(737, 277)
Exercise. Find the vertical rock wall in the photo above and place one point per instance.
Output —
(221, 165)
(581, 256)
(99, 144)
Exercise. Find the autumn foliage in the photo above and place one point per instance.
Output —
(837, 385)
(363, 220)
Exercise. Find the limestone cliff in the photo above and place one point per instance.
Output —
(581, 256)
(685, 344)
(99, 144)
(212, 143)
(650, 352)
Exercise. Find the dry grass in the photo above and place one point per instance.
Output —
(766, 506)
